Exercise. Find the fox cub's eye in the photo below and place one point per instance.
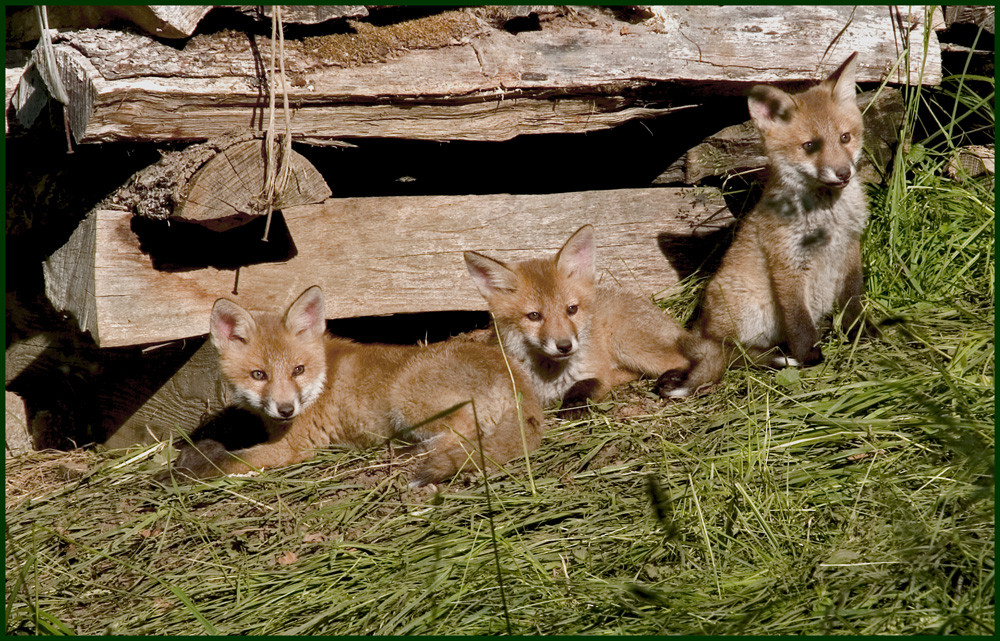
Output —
(534, 316)
(258, 375)
(299, 369)
(810, 146)
(845, 137)
(572, 309)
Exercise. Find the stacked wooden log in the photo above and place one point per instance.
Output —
(144, 265)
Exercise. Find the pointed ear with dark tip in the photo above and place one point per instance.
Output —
(306, 314)
(578, 256)
(769, 106)
(230, 325)
(490, 275)
(841, 81)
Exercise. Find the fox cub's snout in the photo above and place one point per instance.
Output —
(277, 364)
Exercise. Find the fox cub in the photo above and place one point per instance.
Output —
(313, 389)
(798, 253)
(577, 339)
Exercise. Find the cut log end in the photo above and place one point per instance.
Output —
(229, 189)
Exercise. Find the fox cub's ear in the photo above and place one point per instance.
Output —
(769, 106)
(490, 275)
(307, 314)
(577, 256)
(230, 324)
(841, 81)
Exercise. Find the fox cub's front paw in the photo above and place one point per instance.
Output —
(202, 460)
(574, 404)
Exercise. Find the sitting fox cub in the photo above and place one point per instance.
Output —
(576, 339)
(313, 389)
(798, 253)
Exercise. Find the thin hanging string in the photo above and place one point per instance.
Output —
(50, 70)
(278, 167)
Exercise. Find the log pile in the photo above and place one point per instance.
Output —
(452, 76)
(137, 270)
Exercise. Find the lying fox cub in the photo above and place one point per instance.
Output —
(313, 389)
(798, 253)
(577, 339)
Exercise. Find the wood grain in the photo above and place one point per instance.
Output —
(473, 81)
(372, 256)
(228, 190)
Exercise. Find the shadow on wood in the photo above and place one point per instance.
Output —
(689, 254)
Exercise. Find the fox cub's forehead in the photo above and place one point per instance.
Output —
(819, 111)
(545, 284)
(272, 345)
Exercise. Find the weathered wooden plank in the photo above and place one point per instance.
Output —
(69, 276)
(452, 76)
(132, 395)
(142, 405)
(371, 255)
(17, 437)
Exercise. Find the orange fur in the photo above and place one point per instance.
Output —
(314, 389)
(576, 339)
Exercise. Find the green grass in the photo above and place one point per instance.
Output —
(855, 497)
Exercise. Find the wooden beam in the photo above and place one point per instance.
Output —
(452, 76)
(372, 256)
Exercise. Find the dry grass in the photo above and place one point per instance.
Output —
(855, 497)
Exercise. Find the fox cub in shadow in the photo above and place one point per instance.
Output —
(313, 389)
(798, 253)
(575, 338)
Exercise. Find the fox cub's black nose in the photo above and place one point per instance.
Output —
(285, 410)
(843, 173)
(564, 346)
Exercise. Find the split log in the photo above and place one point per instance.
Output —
(228, 191)
(452, 76)
(372, 256)
(737, 150)
(219, 183)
